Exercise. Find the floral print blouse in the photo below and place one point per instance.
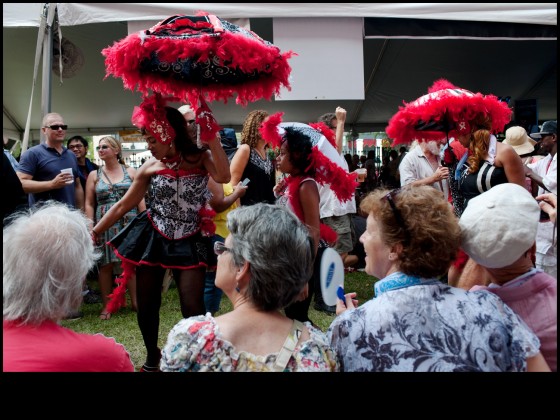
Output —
(195, 344)
(431, 327)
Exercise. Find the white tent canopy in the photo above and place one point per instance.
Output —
(21, 14)
(392, 68)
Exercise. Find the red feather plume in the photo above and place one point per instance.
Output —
(269, 129)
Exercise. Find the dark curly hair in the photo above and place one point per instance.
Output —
(300, 148)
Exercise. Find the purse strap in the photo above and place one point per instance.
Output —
(288, 347)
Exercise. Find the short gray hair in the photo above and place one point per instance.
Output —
(47, 254)
(51, 116)
(279, 250)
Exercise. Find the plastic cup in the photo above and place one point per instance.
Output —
(361, 172)
(68, 171)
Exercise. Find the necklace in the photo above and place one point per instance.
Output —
(174, 162)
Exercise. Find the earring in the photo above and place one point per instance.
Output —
(391, 256)
(237, 288)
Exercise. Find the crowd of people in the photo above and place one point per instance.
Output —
(460, 232)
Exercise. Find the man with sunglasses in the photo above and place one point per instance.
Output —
(40, 171)
(40, 167)
(79, 146)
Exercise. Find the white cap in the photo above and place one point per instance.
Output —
(499, 225)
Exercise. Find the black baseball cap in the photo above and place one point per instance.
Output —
(548, 128)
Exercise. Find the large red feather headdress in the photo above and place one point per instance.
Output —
(445, 111)
(189, 56)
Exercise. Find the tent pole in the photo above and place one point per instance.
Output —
(47, 67)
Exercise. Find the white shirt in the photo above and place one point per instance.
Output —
(329, 205)
(415, 166)
(545, 231)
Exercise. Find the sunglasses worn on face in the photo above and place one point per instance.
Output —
(220, 248)
(190, 122)
(398, 216)
(102, 147)
(57, 126)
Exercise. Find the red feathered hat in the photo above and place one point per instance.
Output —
(341, 182)
(445, 111)
(151, 116)
(187, 56)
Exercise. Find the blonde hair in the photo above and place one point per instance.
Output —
(250, 133)
(116, 145)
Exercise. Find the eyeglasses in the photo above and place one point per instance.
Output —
(220, 248)
(102, 147)
(57, 127)
(76, 146)
(398, 216)
(190, 122)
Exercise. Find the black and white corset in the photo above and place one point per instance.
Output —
(178, 198)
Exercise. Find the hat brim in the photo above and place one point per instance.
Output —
(524, 148)
(539, 135)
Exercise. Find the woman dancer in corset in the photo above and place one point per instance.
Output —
(175, 231)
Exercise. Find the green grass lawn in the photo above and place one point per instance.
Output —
(124, 329)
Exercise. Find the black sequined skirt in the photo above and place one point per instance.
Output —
(141, 244)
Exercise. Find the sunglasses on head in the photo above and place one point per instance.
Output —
(396, 212)
(102, 147)
(57, 126)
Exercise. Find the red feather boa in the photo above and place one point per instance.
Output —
(117, 299)
(325, 131)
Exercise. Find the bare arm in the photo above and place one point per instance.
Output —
(90, 196)
(309, 198)
(341, 118)
(131, 199)
(220, 202)
(30, 186)
(216, 161)
(440, 174)
(142, 204)
(508, 158)
(239, 162)
(537, 364)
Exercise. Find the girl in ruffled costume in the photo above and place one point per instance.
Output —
(306, 156)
